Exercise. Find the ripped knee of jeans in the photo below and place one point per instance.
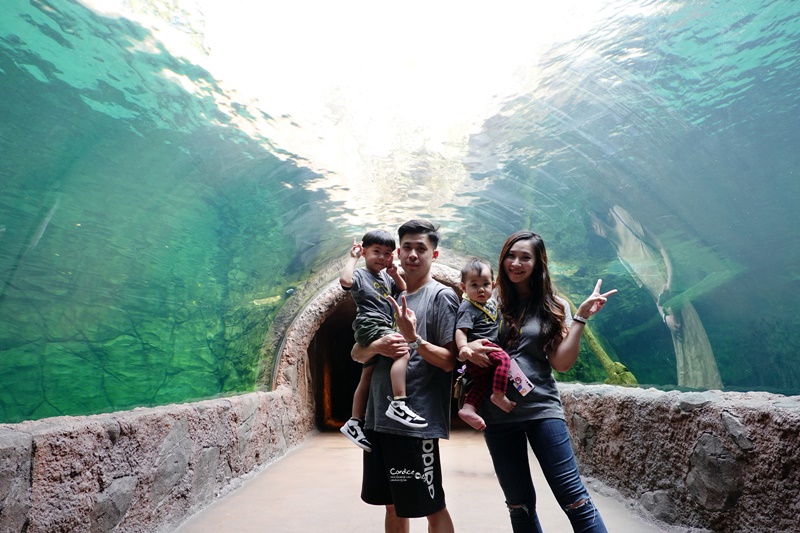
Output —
(577, 505)
(518, 511)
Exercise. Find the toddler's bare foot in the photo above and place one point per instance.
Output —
(502, 401)
(471, 417)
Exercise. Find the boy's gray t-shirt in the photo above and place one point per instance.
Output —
(369, 292)
(428, 387)
(477, 323)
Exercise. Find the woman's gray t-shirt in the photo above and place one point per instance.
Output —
(543, 401)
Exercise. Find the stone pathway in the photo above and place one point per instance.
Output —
(316, 488)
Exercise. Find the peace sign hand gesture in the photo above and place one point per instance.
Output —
(405, 317)
(357, 250)
(391, 268)
(594, 302)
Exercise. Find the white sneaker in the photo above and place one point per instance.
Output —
(400, 412)
(352, 430)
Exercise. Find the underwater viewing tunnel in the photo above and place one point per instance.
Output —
(174, 178)
(158, 210)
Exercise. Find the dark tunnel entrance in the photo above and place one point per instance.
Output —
(334, 374)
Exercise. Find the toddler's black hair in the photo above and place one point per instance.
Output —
(475, 265)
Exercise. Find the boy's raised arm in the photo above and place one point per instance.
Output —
(346, 277)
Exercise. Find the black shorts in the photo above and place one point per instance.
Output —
(405, 472)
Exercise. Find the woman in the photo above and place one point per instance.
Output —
(539, 333)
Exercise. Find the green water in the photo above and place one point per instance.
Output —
(148, 238)
(136, 234)
(687, 119)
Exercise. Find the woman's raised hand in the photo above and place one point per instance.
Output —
(595, 301)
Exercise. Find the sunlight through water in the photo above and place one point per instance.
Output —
(173, 172)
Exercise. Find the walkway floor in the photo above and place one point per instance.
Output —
(316, 488)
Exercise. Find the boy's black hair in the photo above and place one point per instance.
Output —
(420, 226)
(475, 265)
(378, 236)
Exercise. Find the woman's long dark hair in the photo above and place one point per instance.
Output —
(541, 303)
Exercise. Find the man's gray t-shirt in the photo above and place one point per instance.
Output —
(428, 387)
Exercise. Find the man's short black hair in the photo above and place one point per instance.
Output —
(475, 265)
(378, 236)
(413, 227)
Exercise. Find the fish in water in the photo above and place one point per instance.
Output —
(42, 227)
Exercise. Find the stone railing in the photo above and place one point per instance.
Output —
(718, 461)
(142, 470)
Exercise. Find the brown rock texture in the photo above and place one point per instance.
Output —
(145, 469)
(722, 461)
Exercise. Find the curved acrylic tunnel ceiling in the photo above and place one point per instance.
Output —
(173, 174)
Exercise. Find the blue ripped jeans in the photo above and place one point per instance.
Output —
(549, 439)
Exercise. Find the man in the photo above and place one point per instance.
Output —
(403, 472)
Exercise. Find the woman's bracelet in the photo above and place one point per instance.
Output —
(579, 318)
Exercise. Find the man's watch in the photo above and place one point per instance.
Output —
(413, 345)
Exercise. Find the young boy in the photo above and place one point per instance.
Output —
(477, 319)
(369, 286)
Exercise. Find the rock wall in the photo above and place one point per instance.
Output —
(726, 462)
(141, 470)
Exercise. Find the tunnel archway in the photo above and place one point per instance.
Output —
(332, 373)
